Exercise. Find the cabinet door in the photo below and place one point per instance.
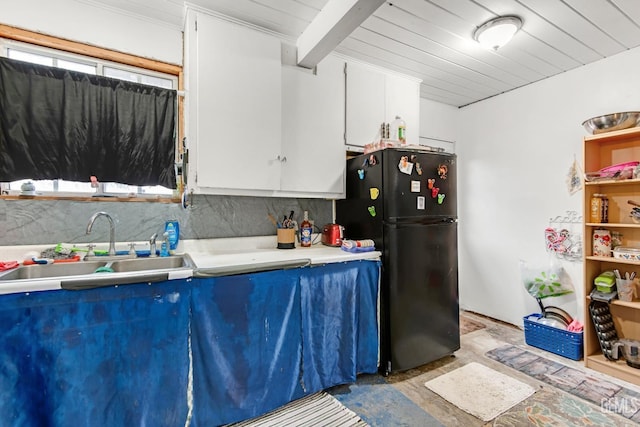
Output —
(238, 107)
(313, 128)
(402, 98)
(365, 104)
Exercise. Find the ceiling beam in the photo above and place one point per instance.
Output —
(336, 20)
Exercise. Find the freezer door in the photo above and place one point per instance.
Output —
(361, 213)
(418, 184)
(419, 302)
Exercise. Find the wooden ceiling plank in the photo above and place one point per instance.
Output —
(445, 28)
(389, 53)
(336, 20)
(564, 17)
(537, 27)
(610, 20)
(467, 80)
(316, 4)
(448, 99)
(474, 57)
(631, 8)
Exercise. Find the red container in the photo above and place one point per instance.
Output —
(332, 235)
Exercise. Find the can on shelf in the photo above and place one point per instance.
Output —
(599, 208)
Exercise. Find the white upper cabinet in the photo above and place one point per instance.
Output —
(374, 97)
(365, 104)
(402, 98)
(235, 105)
(255, 126)
(258, 125)
(313, 128)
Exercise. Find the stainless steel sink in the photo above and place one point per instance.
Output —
(40, 271)
(155, 263)
(82, 274)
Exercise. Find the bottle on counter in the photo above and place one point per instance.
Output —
(306, 230)
(399, 129)
(172, 228)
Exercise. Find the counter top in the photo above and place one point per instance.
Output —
(217, 256)
(211, 257)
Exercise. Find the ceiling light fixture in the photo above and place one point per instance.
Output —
(497, 32)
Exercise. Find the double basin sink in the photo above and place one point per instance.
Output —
(103, 272)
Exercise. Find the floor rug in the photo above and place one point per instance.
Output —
(610, 397)
(480, 390)
(552, 408)
(320, 409)
(468, 325)
(380, 404)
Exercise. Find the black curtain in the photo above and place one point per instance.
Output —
(57, 123)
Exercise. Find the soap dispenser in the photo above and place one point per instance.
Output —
(164, 247)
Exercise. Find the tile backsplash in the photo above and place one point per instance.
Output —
(34, 222)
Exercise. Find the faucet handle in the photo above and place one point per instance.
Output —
(132, 248)
(90, 252)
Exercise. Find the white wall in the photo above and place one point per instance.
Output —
(514, 153)
(95, 25)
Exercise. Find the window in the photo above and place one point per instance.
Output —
(46, 55)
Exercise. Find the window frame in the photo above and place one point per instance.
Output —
(37, 43)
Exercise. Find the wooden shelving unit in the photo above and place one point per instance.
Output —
(600, 151)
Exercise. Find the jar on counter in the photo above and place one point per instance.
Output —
(599, 208)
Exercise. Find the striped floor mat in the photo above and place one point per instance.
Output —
(320, 409)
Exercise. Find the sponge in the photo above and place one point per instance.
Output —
(105, 268)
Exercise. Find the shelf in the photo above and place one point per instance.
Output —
(613, 182)
(613, 224)
(615, 135)
(618, 369)
(612, 259)
(635, 304)
(600, 151)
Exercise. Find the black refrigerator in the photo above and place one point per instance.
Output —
(405, 200)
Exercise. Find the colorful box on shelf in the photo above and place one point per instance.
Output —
(605, 282)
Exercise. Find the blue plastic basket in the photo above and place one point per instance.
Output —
(558, 341)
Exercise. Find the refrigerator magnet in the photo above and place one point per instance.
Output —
(421, 202)
(430, 183)
(405, 166)
(442, 171)
(372, 210)
(361, 173)
(415, 186)
(374, 193)
(441, 197)
(434, 192)
(418, 169)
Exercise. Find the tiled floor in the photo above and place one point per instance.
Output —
(550, 405)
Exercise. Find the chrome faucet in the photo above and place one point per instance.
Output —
(112, 230)
(152, 245)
